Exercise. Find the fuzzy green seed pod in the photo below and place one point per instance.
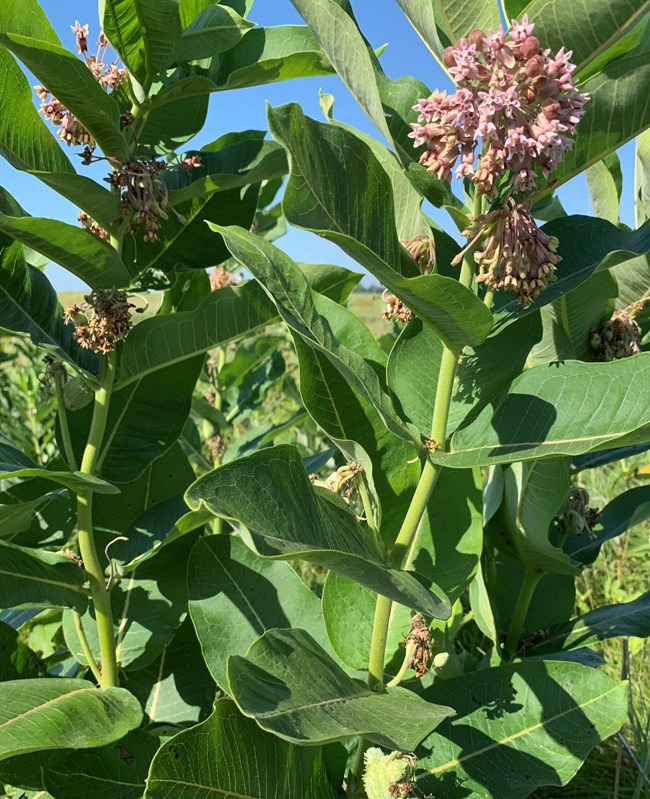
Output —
(382, 772)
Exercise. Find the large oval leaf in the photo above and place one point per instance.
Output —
(62, 714)
(518, 727)
(229, 756)
(308, 698)
(270, 494)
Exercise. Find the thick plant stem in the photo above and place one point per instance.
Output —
(428, 478)
(521, 611)
(87, 549)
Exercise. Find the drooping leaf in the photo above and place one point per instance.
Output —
(534, 493)
(228, 755)
(295, 521)
(29, 304)
(73, 84)
(283, 281)
(309, 699)
(88, 257)
(266, 55)
(565, 409)
(75, 481)
(627, 619)
(214, 30)
(521, 726)
(234, 598)
(348, 216)
(234, 159)
(62, 714)
(31, 578)
(28, 18)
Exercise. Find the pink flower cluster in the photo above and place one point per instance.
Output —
(110, 76)
(517, 99)
(515, 254)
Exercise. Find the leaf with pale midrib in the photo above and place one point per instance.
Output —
(520, 726)
(269, 492)
(229, 756)
(62, 714)
(293, 688)
(559, 409)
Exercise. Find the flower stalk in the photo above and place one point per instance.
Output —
(521, 611)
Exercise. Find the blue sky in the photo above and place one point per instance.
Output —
(382, 22)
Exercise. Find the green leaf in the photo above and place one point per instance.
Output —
(348, 216)
(534, 493)
(266, 55)
(617, 111)
(90, 258)
(24, 139)
(629, 619)
(422, 17)
(120, 22)
(626, 510)
(565, 409)
(233, 160)
(148, 605)
(347, 50)
(297, 521)
(563, 24)
(483, 371)
(123, 457)
(29, 304)
(62, 714)
(234, 599)
(642, 178)
(75, 481)
(283, 281)
(38, 579)
(73, 84)
(605, 184)
(530, 724)
(216, 29)
(162, 341)
(17, 517)
(28, 18)
(17, 660)
(228, 755)
(177, 688)
(309, 699)
(160, 25)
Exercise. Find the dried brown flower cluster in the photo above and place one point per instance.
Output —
(143, 195)
(422, 248)
(101, 321)
(92, 226)
(619, 337)
(220, 277)
(109, 76)
(342, 482)
(395, 309)
(420, 635)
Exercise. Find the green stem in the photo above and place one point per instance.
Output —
(489, 297)
(85, 646)
(87, 549)
(521, 611)
(63, 422)
(430, 472)
(406, 665)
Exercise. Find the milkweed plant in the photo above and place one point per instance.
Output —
(249, 547)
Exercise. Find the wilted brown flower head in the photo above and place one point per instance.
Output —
(516, 99)
(395, 309)
(515, 255)
(422, 248)
(577, 517)
(92, 226)
(220, 277)
(619, 337)
(101, 321)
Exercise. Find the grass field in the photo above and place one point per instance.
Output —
(620, 575)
